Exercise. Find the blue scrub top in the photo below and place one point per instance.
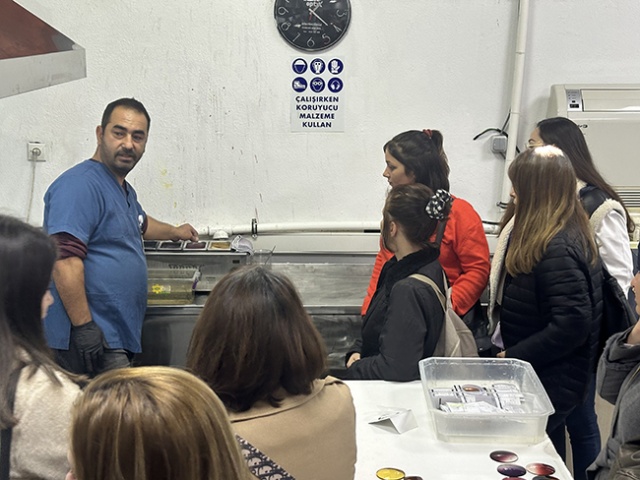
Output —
(87, 202)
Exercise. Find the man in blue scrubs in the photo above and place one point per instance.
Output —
(100, 279)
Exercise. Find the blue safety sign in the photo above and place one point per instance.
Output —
(299, 66)
(336, 66)
(335, 85)
(299, 84)
(317, 84)
(318, 94)
(317, 66)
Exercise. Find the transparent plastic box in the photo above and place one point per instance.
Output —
(166, 286)
(524, 423)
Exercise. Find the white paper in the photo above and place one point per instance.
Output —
(402, 419)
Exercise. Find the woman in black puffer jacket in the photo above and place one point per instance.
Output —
(546, 282)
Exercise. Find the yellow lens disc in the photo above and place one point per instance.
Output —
(390, 474)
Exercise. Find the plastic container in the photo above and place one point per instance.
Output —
(520, 407)
(171, 286)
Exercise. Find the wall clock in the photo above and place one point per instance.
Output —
(312, 25)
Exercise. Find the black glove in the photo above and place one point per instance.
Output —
(89, 340)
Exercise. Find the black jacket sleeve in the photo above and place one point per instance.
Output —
(414, 313)
(563, 295)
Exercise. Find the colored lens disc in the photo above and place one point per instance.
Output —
(390, 474)
(511, 470)
(413, 477)
(503, 456)
(470, 388)
(541, 469)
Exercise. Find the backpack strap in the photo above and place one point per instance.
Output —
(432, 284)
(591, 198)
(5, 436)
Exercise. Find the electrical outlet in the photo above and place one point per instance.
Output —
(499, 143)
(37, 152)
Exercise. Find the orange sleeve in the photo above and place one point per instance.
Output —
(467, 262)
(383, 256)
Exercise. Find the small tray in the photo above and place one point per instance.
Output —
(196, 246)
(220, 245)
(151, 245)
(169, 245)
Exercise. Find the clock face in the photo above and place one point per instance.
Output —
(312, 25)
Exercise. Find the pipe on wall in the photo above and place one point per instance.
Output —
(516, 96)
(255, 228)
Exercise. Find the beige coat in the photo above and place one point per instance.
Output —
(40, 439)
(311, 436)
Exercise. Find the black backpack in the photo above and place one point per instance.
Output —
(617, 314)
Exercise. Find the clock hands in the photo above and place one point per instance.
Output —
(312, 25)
(313, 12)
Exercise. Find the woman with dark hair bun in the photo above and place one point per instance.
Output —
(418, 157)
(404, 319)
(255, 345)
(44, 393)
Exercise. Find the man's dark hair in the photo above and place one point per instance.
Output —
(130, 103)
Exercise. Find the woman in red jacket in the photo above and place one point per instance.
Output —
(418, 157)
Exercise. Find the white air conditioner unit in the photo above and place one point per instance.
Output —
(609, 117)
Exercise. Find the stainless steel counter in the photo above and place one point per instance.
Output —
(332, 287)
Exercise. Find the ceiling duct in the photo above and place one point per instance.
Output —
(33, 54)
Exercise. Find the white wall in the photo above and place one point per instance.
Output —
(215, 77)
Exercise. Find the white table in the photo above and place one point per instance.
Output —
(418, 451)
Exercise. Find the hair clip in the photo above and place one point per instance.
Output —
(437, 204)
(427, 132)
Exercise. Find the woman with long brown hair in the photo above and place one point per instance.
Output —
(255, 345)
(546, 282)
(35, 394)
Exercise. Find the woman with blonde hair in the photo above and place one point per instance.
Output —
(546, 282)
(35, 394)
(152, 423)
(256, 346)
